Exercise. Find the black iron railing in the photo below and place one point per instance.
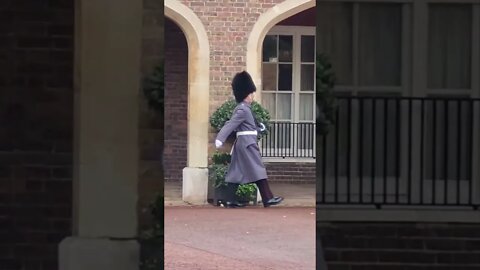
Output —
(401, 151)
(289, 140)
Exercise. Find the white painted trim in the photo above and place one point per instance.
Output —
(355, 48)
(198, 80)
(264, 23)
(292, 30)
(476, 51)
(289, 160)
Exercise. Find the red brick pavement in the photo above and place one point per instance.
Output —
(253, 238)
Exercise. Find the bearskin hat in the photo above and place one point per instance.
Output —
(242, 85)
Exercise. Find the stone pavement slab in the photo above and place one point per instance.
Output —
(295, 194)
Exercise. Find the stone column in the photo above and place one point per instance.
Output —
(195, 175)
(107, 81)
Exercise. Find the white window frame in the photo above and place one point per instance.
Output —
(296, 32)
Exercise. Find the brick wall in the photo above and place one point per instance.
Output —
(228, 25)
(399, 246)
(290, 172)
(36, 100)
(176, 101)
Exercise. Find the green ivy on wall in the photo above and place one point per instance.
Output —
(325, 98)
(153, 88)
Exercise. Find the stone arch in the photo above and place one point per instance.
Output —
(264, 23)
(198, 80)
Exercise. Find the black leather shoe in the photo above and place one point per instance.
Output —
(234, 205)
(273, 201)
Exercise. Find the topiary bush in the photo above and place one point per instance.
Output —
(224, 113)
(153, 89)
(247, 192)
(325, 98)
(217, 174)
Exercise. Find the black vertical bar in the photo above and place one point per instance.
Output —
(305, 128)
(470, 153)
(459, 146)
(299, 129)
(397, 151)
(337, 138)
(269, 138)
(293, 135)
(283, 139)
(275, 140)
(312, 131)
(280, 138)
(349, 147)
(305, 132)
(310, 141)
(307, 142)
(434, 151)
(385, 146)
(409, 189)
(422, 128)
(374, 103)
(324, 167)
(360, 152)
(296, 137)
(445, 154)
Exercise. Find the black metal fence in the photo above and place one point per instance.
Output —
(401, 151)
(289, 140)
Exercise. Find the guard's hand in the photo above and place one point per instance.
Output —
(262, 127)
(218, 144)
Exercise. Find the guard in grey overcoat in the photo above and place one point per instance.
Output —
(246, 165)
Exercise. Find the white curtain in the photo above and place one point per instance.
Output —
(380, 32)
(449, 48)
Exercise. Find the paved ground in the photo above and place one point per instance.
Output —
(252, 238)
(295, 194)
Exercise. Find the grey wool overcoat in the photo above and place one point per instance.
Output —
(246, 165)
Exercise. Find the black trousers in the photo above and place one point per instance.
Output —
(262, 186)
(264, 189)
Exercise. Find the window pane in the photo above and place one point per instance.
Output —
(334, 37)
(284, 106)
(285, 48)
(270, 48)
(380, 44)
(308, 48)
(268, 102)
(308, 77)
(306, 106)
(449, 48)
(285, 77)
(269, 77)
